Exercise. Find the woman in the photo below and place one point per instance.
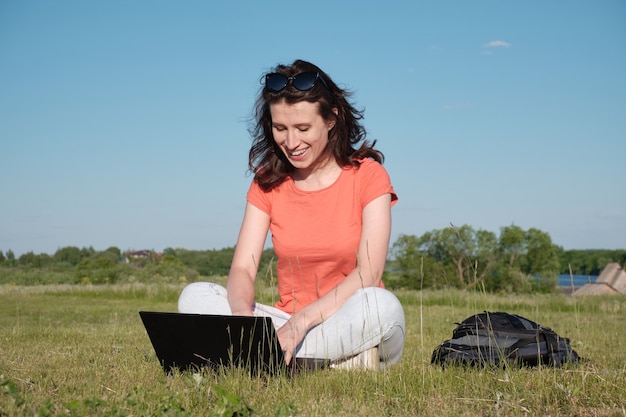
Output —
(328, 205)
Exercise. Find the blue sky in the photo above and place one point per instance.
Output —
(124, 123)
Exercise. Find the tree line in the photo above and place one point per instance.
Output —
(74, 265)
(516, 260)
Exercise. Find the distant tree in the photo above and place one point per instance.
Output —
(511, 245)
(443, 258)
(115, 251)
(87, 252)
(112, 256)
(542, 261)
(417, 268)
(207, 263)
(585, 262)
(516, 261)
(27, 259)
(71, 255)
(541, 254)
(406, 252)
(471, 252)
(508, 275)
(217, 262)
(10, 258)
(486, 256)
(2, 258)
(527, 260)
(457, 245)
(449, 246)
(30, 259)
(600, 262)
(589, 261)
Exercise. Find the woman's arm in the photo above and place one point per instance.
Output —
(371, 258)
(244, 267)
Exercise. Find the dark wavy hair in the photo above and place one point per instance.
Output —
(268, 163)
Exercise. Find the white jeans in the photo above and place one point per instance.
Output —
(371, 317)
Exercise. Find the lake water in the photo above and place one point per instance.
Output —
(579, 280)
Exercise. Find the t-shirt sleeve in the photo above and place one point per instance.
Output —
(375, 182)
(258, 198)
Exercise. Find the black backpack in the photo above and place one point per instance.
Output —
(498, 339)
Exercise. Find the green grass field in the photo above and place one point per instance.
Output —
(82, 351)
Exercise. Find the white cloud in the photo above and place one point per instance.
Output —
(497, 44)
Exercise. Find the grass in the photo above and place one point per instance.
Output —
(82, 351)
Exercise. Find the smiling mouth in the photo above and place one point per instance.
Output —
(298, 152)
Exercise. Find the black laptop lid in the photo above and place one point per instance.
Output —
(191, 341)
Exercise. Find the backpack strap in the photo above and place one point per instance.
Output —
(537, 336)
(552, 340)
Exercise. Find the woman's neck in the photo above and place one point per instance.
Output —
(318, 177)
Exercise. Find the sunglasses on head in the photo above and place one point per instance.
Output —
(304, 81)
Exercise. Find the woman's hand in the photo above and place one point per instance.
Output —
(291, 334)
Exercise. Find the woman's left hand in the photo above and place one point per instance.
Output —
(290, 335)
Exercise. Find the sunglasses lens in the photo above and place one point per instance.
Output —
(305, 80)
(276, 82)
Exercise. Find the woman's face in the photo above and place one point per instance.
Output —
(301, 132)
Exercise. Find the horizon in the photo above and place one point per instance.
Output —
(162, 250)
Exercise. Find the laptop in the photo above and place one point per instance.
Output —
(194, 341)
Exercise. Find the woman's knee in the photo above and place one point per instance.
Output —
(392, 346)
(203, 298)
(388, 307)
(391, 315)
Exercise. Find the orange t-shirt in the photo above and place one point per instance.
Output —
(316, 234)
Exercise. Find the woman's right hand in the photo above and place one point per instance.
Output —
(291, 334)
